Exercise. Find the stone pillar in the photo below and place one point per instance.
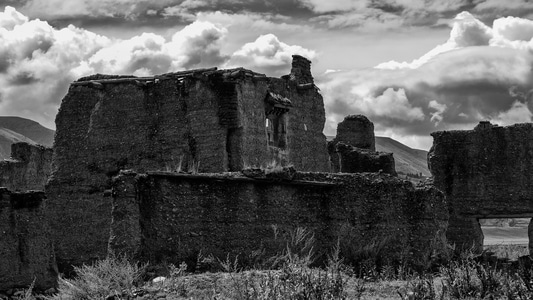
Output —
(357, 131)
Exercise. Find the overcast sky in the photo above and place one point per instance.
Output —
(411, 66)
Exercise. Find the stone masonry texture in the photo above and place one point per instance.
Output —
(206, 121)
(171, 217)
(26, 251)
(354, 160)
(353, 150)
(358, 131)
(27, 169)
(484, 173)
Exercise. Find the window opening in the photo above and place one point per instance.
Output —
(276, 109)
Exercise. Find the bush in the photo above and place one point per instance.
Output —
(108, 277)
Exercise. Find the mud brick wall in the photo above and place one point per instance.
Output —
(26, 251)
(484, 173)
(27, 169)
(100, 131)
(356, 160)
(306, 144)
(211, 122)
(357, 131)
(353, 149)
(181, 215)
(301, 70)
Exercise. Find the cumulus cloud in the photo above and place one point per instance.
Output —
(481, 72)
(269, 55)
(37, 61)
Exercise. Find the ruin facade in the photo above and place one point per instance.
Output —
(484, 173)
(27, 169)
(353, 149)
(171, 217)
(201, 120)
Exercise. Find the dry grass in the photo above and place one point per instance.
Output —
(291, 275)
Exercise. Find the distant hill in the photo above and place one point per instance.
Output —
(407, 160)
(16, 129)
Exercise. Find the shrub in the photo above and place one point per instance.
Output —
(111, 276)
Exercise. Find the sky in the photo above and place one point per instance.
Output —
(411, 66)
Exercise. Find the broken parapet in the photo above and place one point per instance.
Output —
(27, 169)
(484, 173)
(181, 215)
(356, 160)
(353, 150)
(301, 70)
(26, 251)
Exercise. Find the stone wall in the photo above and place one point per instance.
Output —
(358, 131)
(355, 160)
(485, 173)
(353, 149)
(26, 251)
(204, 120)
(172, 217)
(27, 169)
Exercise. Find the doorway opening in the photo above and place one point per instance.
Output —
(506, 237)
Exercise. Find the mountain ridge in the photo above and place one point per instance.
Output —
(18, 129)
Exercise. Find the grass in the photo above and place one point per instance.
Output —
(294, 274)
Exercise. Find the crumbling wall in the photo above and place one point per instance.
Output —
(26, 251)
(199, 120)
(157, 126)
(353, 150)
(355, 160)
(484, 173)
(27, 169)
(176, 216)
(358, 131)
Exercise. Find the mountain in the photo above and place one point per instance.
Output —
(407, 160)
(16, 129)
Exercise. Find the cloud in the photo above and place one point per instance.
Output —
(479, 73)
(37, 61)
(466, 31)
(392, 104)
(269, 55)
(518, 113)
(259, 21)
(439, 110)
(335, 5)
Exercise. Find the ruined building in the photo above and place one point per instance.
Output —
(484, 173)
(201, 120)
(353, 150)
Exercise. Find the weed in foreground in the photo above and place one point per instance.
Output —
(111, 276)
